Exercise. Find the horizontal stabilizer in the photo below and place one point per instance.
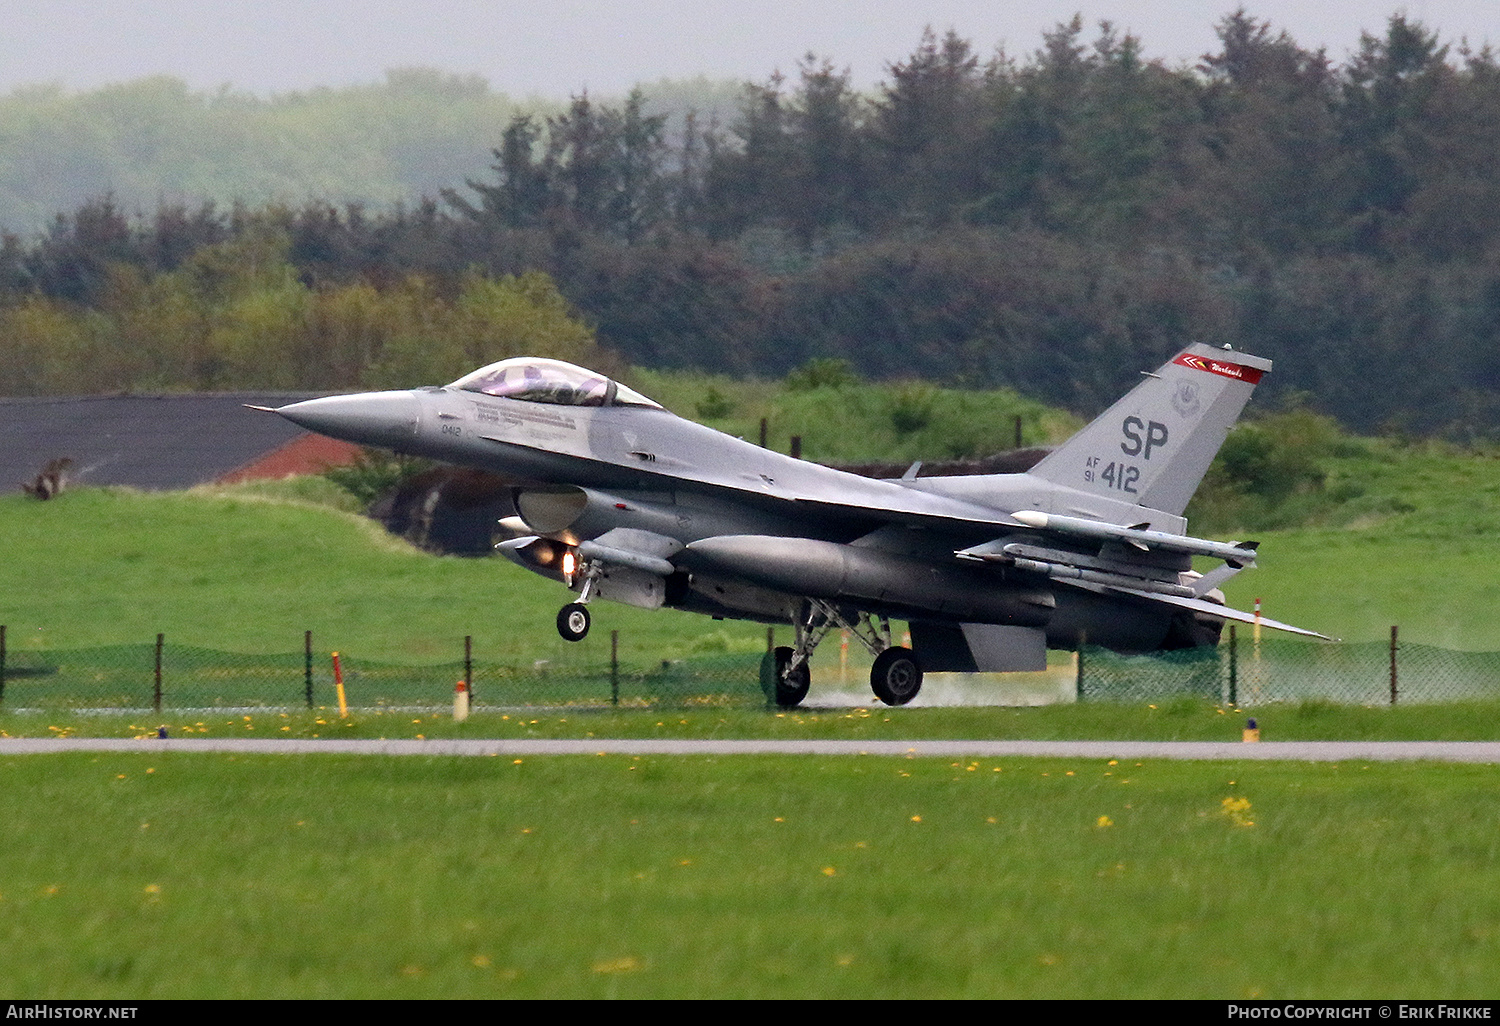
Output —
(1208, 608)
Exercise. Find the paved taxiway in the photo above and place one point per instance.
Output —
(1295, 751)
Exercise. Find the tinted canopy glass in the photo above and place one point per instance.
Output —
(536, 380)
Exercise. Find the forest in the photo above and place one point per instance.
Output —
(1052, 222)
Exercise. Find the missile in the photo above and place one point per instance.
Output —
(1072, 573)
(1236, 554)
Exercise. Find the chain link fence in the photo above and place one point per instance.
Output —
(171, 676)
(1279, 669)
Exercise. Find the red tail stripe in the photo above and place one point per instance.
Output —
(1223, 368)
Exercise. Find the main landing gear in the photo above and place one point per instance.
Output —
(896, 677)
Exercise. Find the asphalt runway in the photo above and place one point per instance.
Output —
(1290, 751)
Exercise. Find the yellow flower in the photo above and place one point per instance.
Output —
(1104, 821)
(1236, 809)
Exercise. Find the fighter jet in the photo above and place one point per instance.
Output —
(619, 499)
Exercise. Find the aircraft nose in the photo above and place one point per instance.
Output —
(368, 418)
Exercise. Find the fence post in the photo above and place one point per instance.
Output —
(614, 667)
(156, 693)
(307, 666)
(469, 666)
(1393, 664)
(1083, 639)
(1234, 669)
(2, 662)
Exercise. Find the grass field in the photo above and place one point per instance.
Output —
(171, 875)
(1181, 719)
(251, 569)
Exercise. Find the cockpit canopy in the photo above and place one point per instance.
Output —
(536, 380)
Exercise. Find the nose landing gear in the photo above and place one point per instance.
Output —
(573, 619)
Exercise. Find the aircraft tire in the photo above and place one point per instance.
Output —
(790, 688)
(896, 676)
(573, 621)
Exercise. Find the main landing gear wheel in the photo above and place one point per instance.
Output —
(896, 676)
(573, 621)
(787, 689)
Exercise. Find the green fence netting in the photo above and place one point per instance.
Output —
(1284, 670)
(126, 677)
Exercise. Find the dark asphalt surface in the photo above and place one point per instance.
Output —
(1294, 751)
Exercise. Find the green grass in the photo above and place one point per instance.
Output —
(1180, 719)
(173, 875)
(888, 422)
(1414, 541)
(250, 569)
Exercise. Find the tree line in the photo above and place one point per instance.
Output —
(1052, 222)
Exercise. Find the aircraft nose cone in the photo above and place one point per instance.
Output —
(369, 418)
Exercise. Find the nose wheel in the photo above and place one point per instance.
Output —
(573, 621)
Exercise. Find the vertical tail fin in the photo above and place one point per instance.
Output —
(1154, 445)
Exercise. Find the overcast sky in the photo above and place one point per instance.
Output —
(558, 47)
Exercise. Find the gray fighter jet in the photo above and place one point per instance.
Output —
(620, 499)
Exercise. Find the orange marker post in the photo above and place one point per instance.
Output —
(338, 684)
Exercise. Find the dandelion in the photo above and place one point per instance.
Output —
(1236, 809)
(1104, 821)
(916, 819)
(829, 871)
